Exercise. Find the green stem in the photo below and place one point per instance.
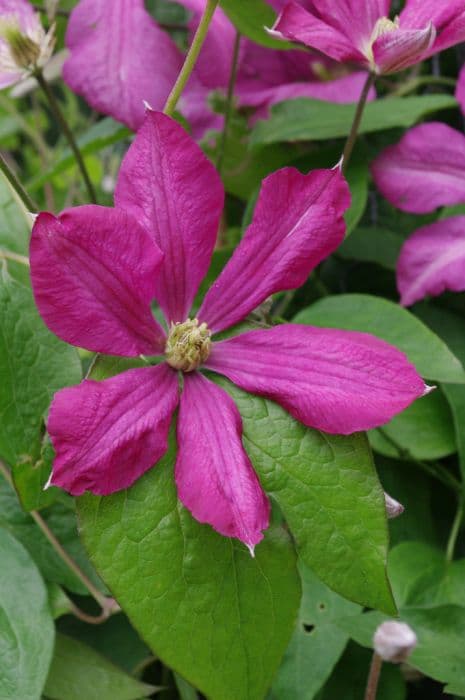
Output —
(107, 604)
(16, 185)
(229, 101)
(191, 58)
(58, 114)
(454, 533)
(373, 677)
(434, 469)
(352, 138)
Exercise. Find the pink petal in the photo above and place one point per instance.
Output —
(296, 24)
(425, 170)
(298, 221)
(119, 59)
(401, 48)
(332, 380)
(93, 272)
(432, 261)
(355, 19)
(107, 434)
(172, 189)
(418, 13)
(214, 475)
(460, 90)
(448, 17)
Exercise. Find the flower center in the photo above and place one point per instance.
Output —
(383, 26)
(24, 51)
(188, 345)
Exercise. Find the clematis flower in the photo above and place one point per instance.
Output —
(360, 32)
(119, 59)
(109, 40)
(24, 44)
(425, 170)
(432, 261)
(95, 272)
(264, 77)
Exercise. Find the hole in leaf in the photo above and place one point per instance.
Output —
(308, 628)
(321, 606)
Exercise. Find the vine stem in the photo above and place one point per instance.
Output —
(352, 138)
(107, 604)
(191, 58)
(16, 185)
(16, 257)
(229, 101)
(64, 126)
(373, 677)
(454, 533)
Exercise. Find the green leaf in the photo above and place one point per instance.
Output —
(423, 431)
(26, 625)
(314, 120)
(15, 227)
(34, 364)
(185, 689)
(440, 653)
(100, 135)
(392, 323)
(61, 519)
(77, 672)
(250, 17)
(421, 576)
(329, 494)
(357, 176)
(374, 245)
(206, 608)
(58, 601)
(317, 643)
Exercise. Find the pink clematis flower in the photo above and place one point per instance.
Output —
(264, 77)
(360, 32)
(432, 261)
(95, 272)
(120, 59)
(24, 44)
(425, 170)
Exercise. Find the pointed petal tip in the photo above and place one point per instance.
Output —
(271, 31)
(251, 548)
(428, 389)
(339, 164)
(48, 482)
(147, 106)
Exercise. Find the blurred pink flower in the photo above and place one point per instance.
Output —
(120, 59)
(360, 32)
(425, 170)
(432, 261)
(95, 272)
(24, 44)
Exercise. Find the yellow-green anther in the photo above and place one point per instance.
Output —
(188, 345)
(24, 51)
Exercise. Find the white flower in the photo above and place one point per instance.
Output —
(24, 44)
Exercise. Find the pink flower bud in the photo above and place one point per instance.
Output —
(393, 507)
(394, 641)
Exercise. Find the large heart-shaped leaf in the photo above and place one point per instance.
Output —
(207, 609)
(329, 493)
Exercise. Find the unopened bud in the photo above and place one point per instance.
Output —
(394, 641)
(393, 507)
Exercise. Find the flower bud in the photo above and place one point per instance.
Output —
(394, 641)
(393, 507)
